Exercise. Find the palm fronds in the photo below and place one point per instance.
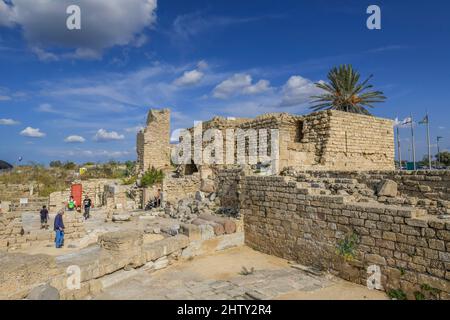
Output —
(345, 92)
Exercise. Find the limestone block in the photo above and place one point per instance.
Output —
(155, 250)
(387, 188)
(121, 240)
(121, 217)
(207, 185)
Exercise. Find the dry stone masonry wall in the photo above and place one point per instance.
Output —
(329, 232)
(326, 140)
(153, 142)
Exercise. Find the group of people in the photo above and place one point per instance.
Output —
(58, 225)
(87, 203)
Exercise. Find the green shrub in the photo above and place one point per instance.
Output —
(129, 180)
(397, 294)
(346, 247)
(419, 295)
(151, 177)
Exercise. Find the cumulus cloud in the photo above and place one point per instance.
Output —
(298, 90)
(8, 122)
(259, 87)
(102, 136)
(104, 24)
(74, 139)
(240, 83)
(32, 132)
(189, 78)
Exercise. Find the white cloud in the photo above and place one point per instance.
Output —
(202, 65)
(298, 90)
(102, 135)
(74, 139)
(32, 133)
(260, 87)
(44, 55)
(104, 24)
(189, 78)
(240, 83)
(134, 129)
(46, 107)
(8, 122)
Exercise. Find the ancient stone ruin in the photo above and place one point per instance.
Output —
(334, 205)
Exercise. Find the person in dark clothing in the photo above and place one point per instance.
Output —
(44, 217)
(158, 199)
(59, 229)
(87, 207)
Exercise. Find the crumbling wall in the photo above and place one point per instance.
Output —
(429, 190)
(227, 182)
(10, 228)
(13, 236)
(94, 188)
(411, 250)
(177, 188)
(117, 197)
(153, 142)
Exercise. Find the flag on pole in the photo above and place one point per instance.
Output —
(425, 120)
(407, 120)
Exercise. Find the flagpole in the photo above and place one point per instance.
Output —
(439, 151)
(428, 140)
(413, 143)
(399, 149)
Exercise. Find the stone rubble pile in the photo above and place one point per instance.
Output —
(386, 191)
(188, 209)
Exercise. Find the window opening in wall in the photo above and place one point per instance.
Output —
(298, 131)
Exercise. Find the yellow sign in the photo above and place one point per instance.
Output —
(82, 171)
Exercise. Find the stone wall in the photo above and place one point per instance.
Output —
(227, 181)
(326, 140)
(117, 197)
(10, 228)
(11, 191)
(94, 188)
(13, 236)
(153, 142)
(411, 248)
(177, 188)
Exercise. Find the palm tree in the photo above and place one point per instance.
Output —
(344, 92)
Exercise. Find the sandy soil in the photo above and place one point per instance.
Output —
(229, 263)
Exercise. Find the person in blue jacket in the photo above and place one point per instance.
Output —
(59, 229)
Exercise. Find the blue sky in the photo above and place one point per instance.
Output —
(80, 95)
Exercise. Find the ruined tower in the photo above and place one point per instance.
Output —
(153, 142)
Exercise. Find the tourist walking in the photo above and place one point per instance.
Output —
(59, 229)
(44, 217)
(87, 207)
